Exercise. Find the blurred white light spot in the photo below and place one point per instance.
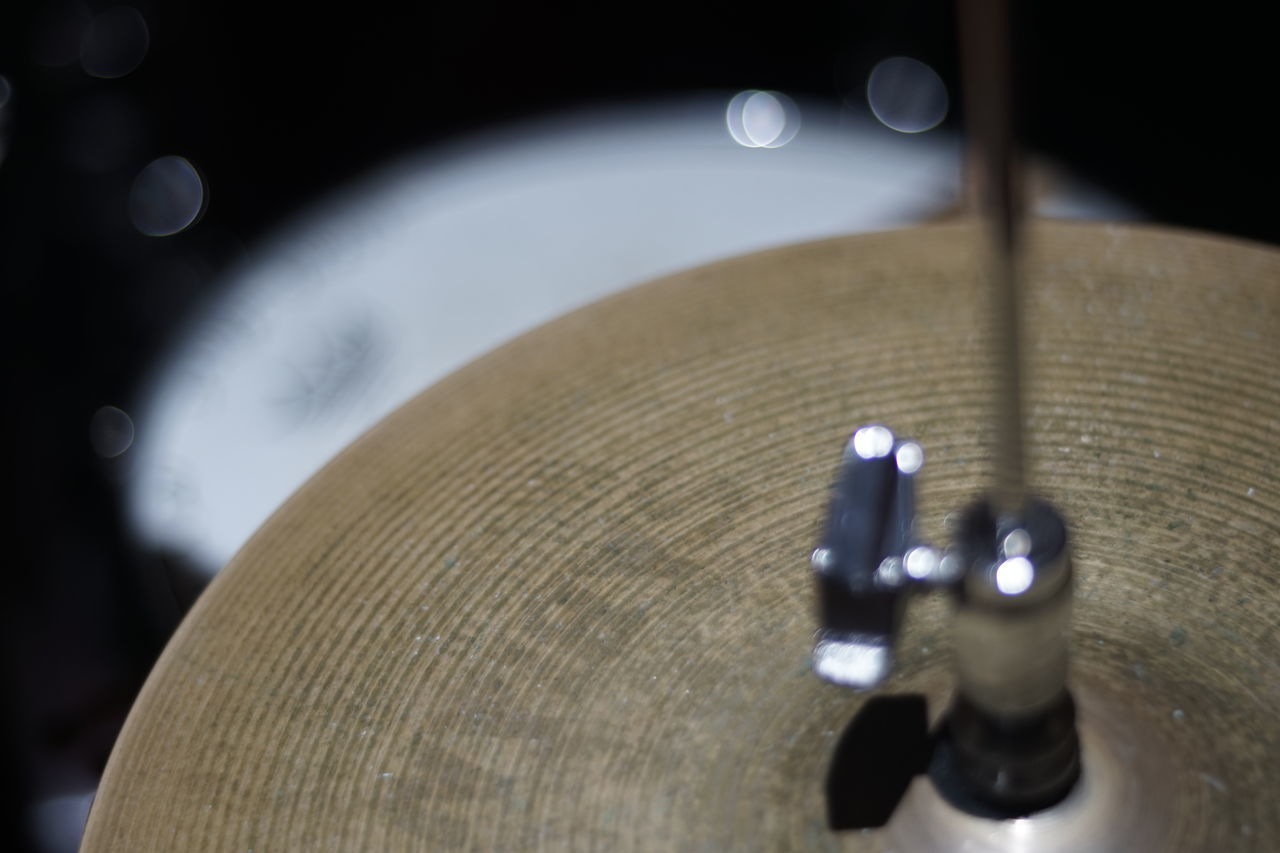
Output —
(759, 119)
(110, 431)
(909, 457)
(921, 562)
(114, 43)
(167, 196)
(851, 663)
(907, 95)
(872, 442)
(889, 572)
(1014, 576)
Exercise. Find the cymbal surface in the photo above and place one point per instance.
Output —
(561, 599)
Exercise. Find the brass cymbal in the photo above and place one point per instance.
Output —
(561, 599)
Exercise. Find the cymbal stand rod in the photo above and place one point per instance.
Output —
(1011, 731)
(996, 180)
(1009, 744)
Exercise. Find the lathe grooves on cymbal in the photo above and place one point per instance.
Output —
(560, 599)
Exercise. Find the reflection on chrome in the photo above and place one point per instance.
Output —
(822, 559)
(907, 95)
(872, 442)
(168, 196)
(922, 563)
(759, 119)
(949, 568)
(853, 662)
(1014, 576)
(889, 573)
(1017, 543)
(910, 457)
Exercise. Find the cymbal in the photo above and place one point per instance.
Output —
(561, 599)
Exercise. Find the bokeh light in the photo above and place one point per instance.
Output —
(758, 119)
(168, 196)
(115, 42)
(907, 95)
(110, 432)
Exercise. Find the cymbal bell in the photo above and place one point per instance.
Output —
(561, 600)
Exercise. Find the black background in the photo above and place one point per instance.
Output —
(1170, 107)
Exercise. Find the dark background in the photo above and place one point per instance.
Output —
(1170, 108)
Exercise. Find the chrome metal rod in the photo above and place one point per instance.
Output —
(1011, 732)
(996, 179)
